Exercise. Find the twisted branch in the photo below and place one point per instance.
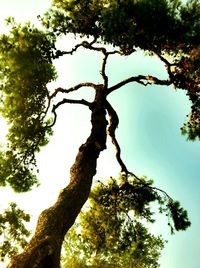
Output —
(71, 89)
(113, 124)
(60, 53)
(141, 79)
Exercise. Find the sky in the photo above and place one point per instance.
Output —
(148, 133)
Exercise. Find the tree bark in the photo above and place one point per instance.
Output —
(44, 248)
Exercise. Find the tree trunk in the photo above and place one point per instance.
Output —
(43, 251)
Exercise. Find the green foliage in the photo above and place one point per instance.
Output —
(81, 16)
(13, 232)
(17, 172)
(134, 195)
(179, 216)
(148, 24)
(189, 71)
(109, 232)
(137, 194)
(25, 70)
(141, 251)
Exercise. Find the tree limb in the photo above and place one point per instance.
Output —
(141, 79)
(55, 106)
(167, 64)
(60, 53)
(113, 124)
(71, 89)
(106, 54)
(83, 102)
(103, 71)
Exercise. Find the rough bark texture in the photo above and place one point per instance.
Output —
(43, 251)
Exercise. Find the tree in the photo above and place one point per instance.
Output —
(110, 234)
(168, 30)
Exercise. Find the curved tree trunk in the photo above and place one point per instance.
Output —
(44, 248)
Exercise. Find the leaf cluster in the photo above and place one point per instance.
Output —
(13, 232)
(189, 72)
(137, 195)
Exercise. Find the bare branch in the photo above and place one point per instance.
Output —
(100, 49)
(87, 45)
(168, 65)
(141, 79)
(103, 71)
(60, 53)
(54, 120)
(106, 54)
(113, 124)
(71, 89)
(48, 105)
(83, 102)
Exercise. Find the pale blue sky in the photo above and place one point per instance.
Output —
(151, 143)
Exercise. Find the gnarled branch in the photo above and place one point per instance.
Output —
(113, 124)
(71, 101)
(71, 89)
(83, 102)
(168, 65)
(103, 71)
(60, 53)
(141, 79)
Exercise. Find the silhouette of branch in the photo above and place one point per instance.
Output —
(82, 101)
(141, 79)
(71, 89)
(113, 124)
(71, 101)
(60, 53)
(168, 65)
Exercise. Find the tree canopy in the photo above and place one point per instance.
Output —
(169, 30)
